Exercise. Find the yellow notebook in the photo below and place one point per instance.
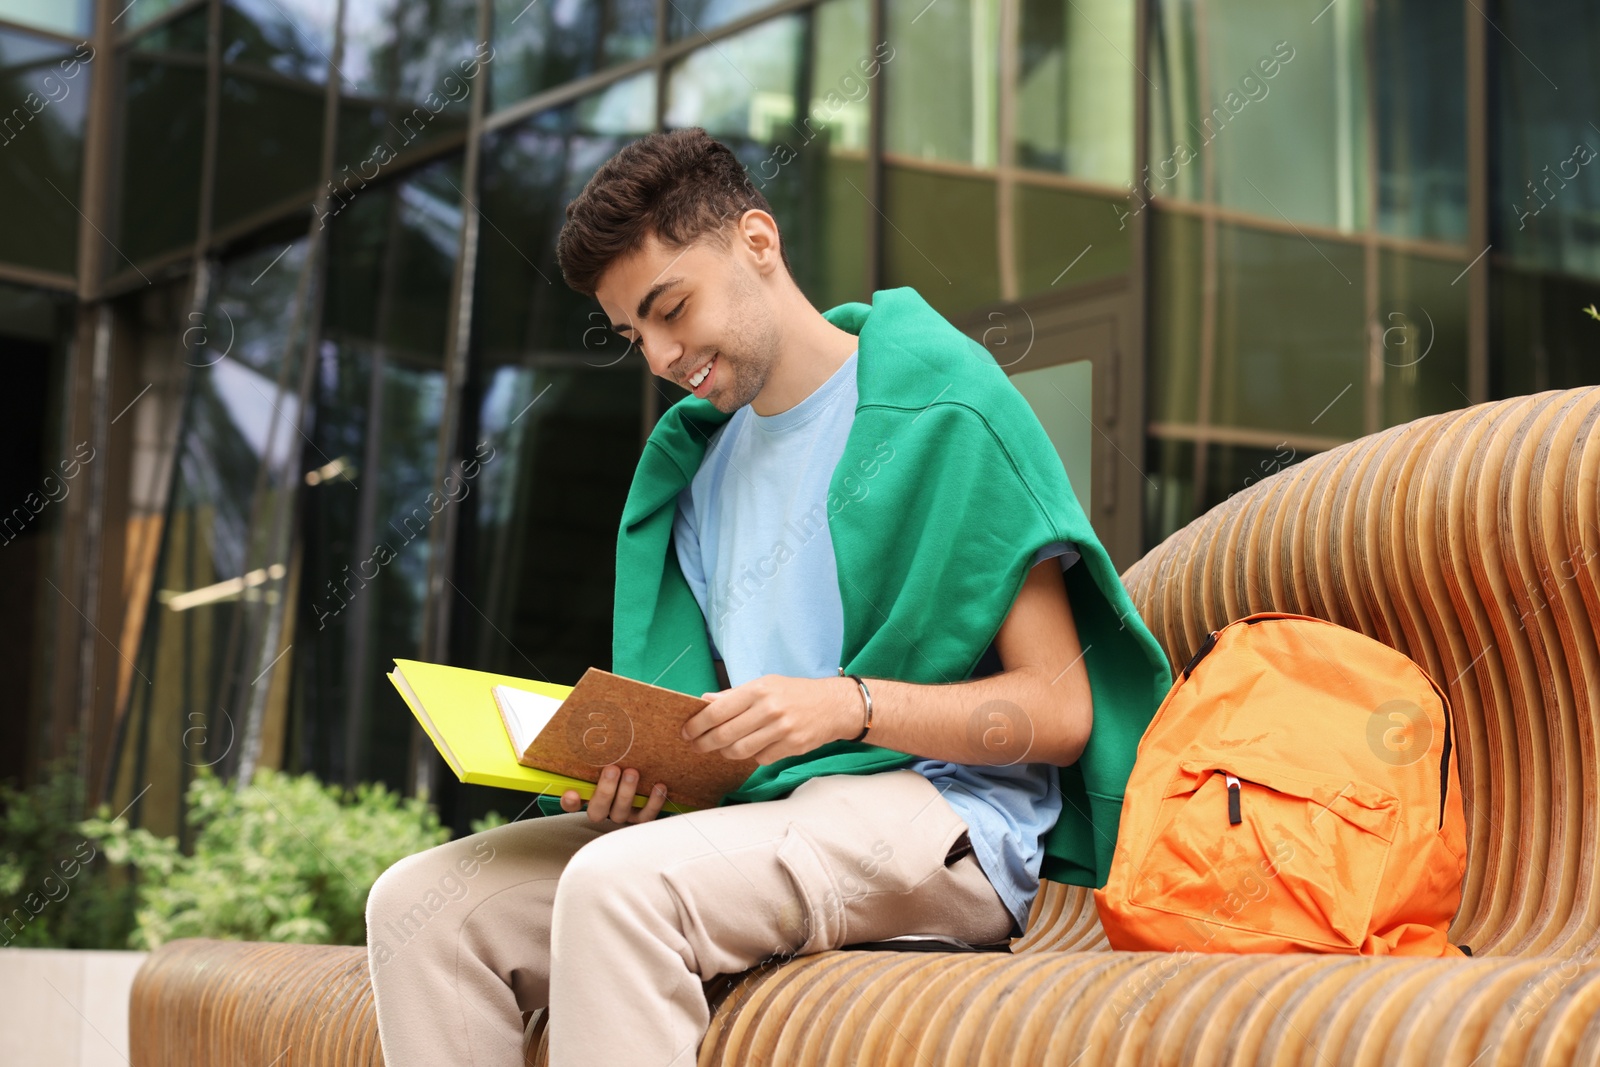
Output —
(456, 707)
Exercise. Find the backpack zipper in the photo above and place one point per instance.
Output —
(1234, 817)
(1206, 646)
(1444, 764)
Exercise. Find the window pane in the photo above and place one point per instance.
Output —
(187, 33)
(1066, 238)
(691, 18)
(1062, 397)
(539, 570)
(822, 200)
(941, 238)
(540, 45)
(41, 149)
(133, 15)
(380, 399)
(742, 90)
(1279, 111)
(396, 247)
(163, 125)
(1168, 488)
(1234, 468)
(1175, 169)
(1169, 493)
(223, 556)
(1290, 344)
(1075, 89)
(825, 226)
(43, 467)
(1421, 89)
(58, 16)
(1539, 336)
(1545, 199)
(269, 144)
(844, 71)
(1173, 388)
(408, 70)
(1422, 325)
(943, 86)
(1302, 153)
(292, 37)
(530, 171)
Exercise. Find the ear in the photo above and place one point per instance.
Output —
(758, 235)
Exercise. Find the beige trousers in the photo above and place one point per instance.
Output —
(615, 927)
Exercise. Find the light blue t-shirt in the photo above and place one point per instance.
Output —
(752, 540)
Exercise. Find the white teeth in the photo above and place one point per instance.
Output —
(695, 381)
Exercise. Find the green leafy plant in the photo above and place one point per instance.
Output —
(56, 890)
(286, 859)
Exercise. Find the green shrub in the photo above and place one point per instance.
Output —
(287, 859)
(57, 891)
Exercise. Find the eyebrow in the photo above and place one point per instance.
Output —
(648, 302)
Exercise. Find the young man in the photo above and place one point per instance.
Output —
(854, 539)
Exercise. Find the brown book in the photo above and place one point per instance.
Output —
(608, 719)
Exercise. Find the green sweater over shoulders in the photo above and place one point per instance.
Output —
(947, 487)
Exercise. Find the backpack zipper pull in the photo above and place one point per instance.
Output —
(1234, 818)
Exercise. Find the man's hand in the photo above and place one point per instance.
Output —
(773, 717)
(613, 798)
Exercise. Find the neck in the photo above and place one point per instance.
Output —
(810, 350)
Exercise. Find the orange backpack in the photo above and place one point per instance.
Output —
(1295, 792)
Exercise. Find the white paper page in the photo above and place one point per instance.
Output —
(528, 713)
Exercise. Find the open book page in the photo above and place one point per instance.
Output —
(525, 714)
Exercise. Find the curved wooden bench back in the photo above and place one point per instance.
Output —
(1468, 541)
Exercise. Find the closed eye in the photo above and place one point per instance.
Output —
(669, 316)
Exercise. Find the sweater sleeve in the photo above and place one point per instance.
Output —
(935, 531)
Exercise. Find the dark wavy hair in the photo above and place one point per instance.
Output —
(681, 185)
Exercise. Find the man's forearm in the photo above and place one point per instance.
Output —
(1016, 716)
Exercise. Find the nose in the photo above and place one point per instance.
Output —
(660, 352)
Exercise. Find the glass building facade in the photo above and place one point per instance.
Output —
(296, 388)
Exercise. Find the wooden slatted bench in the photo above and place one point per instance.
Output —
(1469, 541)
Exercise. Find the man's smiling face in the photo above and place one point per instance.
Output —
(701, 315)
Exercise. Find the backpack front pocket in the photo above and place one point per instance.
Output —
(1293, 856)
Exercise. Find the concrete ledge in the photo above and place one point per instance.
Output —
(66, 1007)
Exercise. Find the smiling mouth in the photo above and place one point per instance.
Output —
(699, 376)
